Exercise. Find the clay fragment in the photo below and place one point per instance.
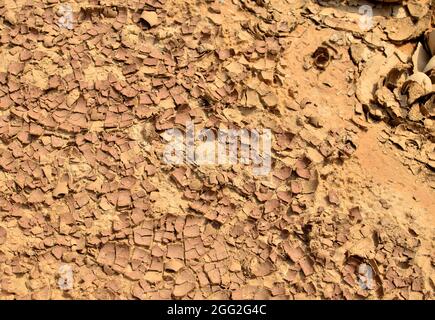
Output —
(430, 42)
(150, 18)
(333, 197)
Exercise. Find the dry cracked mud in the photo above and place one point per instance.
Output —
(89, 209)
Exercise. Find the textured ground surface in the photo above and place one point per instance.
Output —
(86, 196)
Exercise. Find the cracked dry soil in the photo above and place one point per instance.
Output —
(88, 88)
